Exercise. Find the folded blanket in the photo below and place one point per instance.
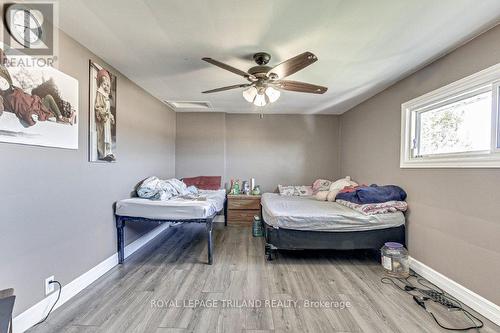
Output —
(376, 208)
(373, 194)
(154, 188)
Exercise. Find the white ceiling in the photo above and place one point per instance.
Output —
(362, 46)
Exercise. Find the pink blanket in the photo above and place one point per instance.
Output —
(376, 208)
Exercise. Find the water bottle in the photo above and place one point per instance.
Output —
(257, 229)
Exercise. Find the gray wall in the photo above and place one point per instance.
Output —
(200, 144)
(56, 215)
(454, 219)
(278, 149)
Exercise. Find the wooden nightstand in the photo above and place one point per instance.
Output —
(242, 208)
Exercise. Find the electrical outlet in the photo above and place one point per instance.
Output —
(49, 287)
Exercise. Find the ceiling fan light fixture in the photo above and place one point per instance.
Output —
(265, 82)
(249, 94)
(260, 100)
(272, 94)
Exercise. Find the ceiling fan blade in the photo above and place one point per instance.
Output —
(228, 68)
(300, 87)
(292, 65)
(227, 88)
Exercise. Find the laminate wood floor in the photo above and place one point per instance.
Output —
(152, 291)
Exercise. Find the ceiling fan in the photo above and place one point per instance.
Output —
(266, 81)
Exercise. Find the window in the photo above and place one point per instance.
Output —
(454, 126)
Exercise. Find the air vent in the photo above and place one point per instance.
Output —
(189, 105)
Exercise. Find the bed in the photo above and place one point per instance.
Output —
(301, 223)
(176, 210)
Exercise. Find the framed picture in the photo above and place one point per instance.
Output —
(38, 106)
(102, 114)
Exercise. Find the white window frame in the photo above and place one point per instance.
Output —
(485, 80)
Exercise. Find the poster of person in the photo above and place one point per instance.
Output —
(102, 114)
(38, 106)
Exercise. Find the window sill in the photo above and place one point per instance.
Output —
(473, 162)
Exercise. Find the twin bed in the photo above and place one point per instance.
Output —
(304, 223)
(177, 210)
(290, 222)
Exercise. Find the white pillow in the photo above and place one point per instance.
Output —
(286, 190)
(322, 195)
(321, 185)
(341, 183)
(295, 190)
(303, 190)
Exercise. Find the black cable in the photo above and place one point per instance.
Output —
(410, 287)
(472, 320)
(459, 329)
(57, 299)
(469, 315)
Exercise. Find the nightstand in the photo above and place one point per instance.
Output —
(242, 208)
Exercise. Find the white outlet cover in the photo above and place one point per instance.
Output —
(49, 287)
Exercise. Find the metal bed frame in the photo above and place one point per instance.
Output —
(122, 220)
(289, 239)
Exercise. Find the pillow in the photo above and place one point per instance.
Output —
(341, 183)
(204, 182)
(303, 190)
(286, 190)
(332, 195)
(321, 185)
(322, 195)
(295, 190)
(329, 189)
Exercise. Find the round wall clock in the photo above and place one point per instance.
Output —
(24, 25)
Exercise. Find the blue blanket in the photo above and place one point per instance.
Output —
(374, 194)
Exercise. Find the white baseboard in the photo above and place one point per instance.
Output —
(143, 240)
(33, 315)
(476, 302)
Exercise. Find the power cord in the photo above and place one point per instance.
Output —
(432, 292)
(52, 307)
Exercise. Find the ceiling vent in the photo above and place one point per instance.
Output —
(189, 105)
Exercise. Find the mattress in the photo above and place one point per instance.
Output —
(173, 209)
(307, 213)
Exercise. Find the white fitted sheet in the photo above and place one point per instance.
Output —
(173, 209)
(307, 213)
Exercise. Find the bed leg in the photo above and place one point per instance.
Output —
(209, 241)
(269, 252)
(225, 212)
(120, 224)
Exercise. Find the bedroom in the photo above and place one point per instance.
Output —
(118, 89)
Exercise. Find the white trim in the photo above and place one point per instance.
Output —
(476, 302)
(495, 120)
(475, 82)
(34, 314)
(491, 160)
